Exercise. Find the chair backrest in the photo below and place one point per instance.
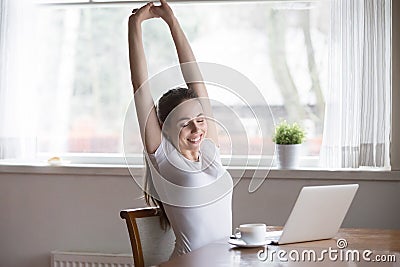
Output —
(150, 244)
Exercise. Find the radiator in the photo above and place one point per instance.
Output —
(81, 259)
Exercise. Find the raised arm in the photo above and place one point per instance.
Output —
(148, 123)
(189, 67)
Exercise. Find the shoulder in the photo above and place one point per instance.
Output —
(166, 150)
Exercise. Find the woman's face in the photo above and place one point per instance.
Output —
(187, 126)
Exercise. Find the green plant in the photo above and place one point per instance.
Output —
(286, 134)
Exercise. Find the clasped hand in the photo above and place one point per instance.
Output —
(149, 11)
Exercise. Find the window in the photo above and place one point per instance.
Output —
(82, 71)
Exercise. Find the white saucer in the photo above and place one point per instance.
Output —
(240, 243)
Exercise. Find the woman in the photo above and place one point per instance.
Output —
(187, 179)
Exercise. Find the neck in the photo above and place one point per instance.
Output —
(191, 155)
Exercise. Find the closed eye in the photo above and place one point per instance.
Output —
(198, 120)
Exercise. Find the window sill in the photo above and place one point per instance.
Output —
(236, 172)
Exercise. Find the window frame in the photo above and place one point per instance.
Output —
(110, 158)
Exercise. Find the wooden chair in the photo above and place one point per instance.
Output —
(150, 244)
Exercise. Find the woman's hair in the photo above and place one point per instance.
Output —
(171, 100)
(166, 104)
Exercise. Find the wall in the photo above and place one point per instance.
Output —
(45, 212)
(40, 213)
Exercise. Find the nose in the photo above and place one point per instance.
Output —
(195, 127)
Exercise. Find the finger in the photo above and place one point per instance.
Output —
(149, 6)
(146, 6)
(164, 3)
(155, 11)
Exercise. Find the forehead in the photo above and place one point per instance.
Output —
(186, 110)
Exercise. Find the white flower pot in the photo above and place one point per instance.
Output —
(288, 156)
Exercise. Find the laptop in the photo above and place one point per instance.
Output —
(317, 214)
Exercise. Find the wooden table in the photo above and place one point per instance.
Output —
(376, 244)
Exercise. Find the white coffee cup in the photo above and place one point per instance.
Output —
(252, 233)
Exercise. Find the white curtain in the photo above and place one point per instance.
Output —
(17, 80)
(358, 101)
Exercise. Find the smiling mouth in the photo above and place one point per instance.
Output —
(195, 140)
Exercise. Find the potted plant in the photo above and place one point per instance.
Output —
(288, 139)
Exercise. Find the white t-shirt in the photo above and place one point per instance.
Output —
(197, 196)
